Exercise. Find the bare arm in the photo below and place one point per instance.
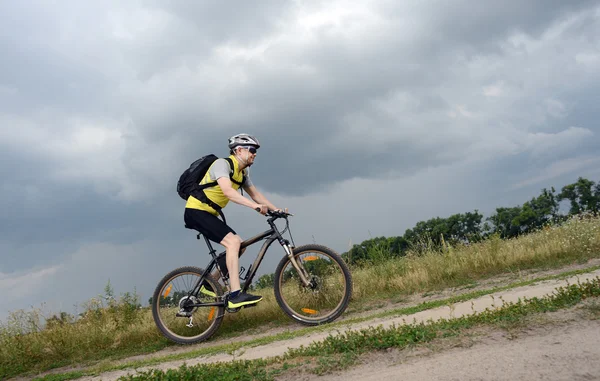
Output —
(259, 197)
(233, 195)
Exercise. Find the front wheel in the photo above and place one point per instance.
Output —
(328, 293)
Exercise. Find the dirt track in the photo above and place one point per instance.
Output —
(500, 369)
(567, 353)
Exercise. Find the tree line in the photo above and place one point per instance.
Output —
(506, 222)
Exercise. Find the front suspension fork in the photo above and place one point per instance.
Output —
(299, 268)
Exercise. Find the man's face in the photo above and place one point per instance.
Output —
(248, 153)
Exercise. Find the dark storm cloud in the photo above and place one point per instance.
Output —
(303, 117)
(103, 105)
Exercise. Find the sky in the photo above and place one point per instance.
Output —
(372, 116)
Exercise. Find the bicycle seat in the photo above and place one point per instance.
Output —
(191, 228)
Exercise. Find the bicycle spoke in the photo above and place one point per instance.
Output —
(175, 311)
(325, 294)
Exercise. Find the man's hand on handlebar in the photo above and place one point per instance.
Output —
(262, 209)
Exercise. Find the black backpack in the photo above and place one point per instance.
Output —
(189, 181)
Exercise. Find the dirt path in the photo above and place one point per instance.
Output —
(459, 309)
(569, 353)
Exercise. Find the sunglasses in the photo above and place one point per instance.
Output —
(252, 149)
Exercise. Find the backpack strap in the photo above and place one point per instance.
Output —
(241, 184)
(200, 195)
(231, 173)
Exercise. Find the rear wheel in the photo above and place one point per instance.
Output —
(172, 311)
(329, 292)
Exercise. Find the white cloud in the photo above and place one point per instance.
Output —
(589, 59)
(82, 150)
(7, 91)
(579, 165)
(18, 288)
(493, 90)
(553, 144)
(556, 108)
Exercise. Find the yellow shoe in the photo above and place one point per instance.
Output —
(241, 300)
(208, 291)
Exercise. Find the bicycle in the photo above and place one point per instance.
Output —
(312, 285)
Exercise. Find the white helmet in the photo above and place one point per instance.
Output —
(243, 140)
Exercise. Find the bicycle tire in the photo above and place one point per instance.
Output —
(339, 309)
(168, 333)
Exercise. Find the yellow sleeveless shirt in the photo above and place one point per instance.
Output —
(214, 193)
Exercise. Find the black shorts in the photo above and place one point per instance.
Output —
(208, 224)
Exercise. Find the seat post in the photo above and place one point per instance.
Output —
(210, 248)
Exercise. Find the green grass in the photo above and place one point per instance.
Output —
(576, 241)
(231, 348)
(114, 332)
(339, 351)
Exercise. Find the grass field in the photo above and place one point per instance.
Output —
(118, 330)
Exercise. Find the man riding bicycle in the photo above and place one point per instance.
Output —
(203, 215)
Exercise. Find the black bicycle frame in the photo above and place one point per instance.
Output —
(271, 235)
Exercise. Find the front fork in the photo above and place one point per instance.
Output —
(289, 250)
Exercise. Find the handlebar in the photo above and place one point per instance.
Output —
(275, 213)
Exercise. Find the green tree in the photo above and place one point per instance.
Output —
(376, 247)
(537, 212)
(502, 222)
(464, 227)
(360, 252)
(398, 245)
(265, 281)
(426, 231)
(461, 227)
(583, 196)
